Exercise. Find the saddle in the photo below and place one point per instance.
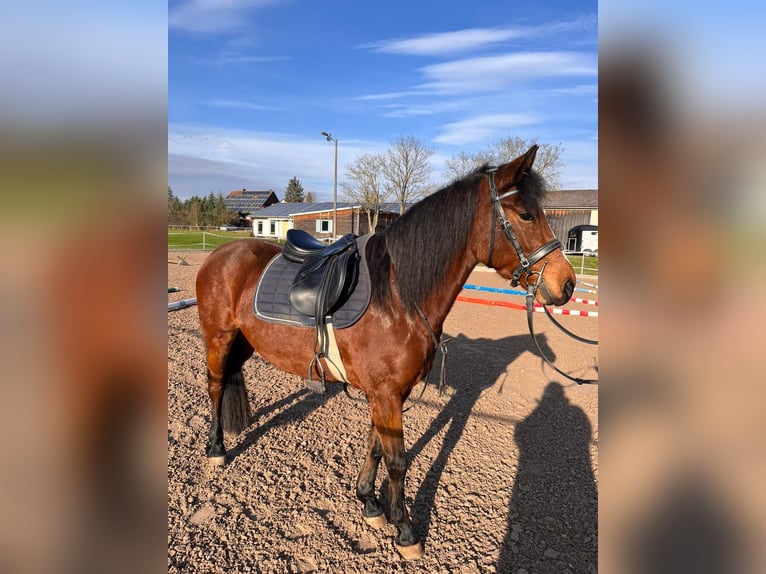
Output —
(328, 274)
(326, 279)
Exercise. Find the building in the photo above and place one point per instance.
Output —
(317, 219)
(245, 202)
(573, 216)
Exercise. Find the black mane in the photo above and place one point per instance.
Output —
(427, 238)
(532, 189)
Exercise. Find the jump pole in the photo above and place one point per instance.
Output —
(523, 293)
(182, 304)
(537, 309)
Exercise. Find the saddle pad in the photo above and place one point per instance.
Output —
(272, 302)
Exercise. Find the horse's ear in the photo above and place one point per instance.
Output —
(529, 159)
(512, 172)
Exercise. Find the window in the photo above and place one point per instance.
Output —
(324, 226)
(260, 228)
(273, 228)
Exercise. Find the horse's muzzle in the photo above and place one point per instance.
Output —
(566, 293)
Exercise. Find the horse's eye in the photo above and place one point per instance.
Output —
(526, 216)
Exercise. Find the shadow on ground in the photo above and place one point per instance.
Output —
(552, 518)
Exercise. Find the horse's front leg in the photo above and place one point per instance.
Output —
(387, 418)
(365, 482)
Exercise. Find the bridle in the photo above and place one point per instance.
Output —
(525, 263)
(525, 267)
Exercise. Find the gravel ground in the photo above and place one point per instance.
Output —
(503, 473)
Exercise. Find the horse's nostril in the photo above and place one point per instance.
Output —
(568, 288)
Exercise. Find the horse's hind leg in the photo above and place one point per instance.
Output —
(226, 353)
(365, 483)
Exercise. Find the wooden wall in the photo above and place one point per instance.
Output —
(348, 221)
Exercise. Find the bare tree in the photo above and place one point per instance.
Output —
(464, 163)
(362, 186)
(407, 170)
(548, 162)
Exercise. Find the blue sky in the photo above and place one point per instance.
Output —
(252, 83)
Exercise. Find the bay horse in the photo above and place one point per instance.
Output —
(417, 269)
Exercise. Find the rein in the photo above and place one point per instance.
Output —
(525, 264)
(439, 344)
(530, 300)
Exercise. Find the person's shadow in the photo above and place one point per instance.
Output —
(552, 515)
(468, 382)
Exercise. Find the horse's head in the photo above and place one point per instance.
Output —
(514, 236)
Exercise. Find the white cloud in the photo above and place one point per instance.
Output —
(212, 15)
(475, 38)
(580, 159)
(410, 110)
(448, 42)
(506, 70)
(578, 90)
(240, 104)
(390, 95)
(482, 128)
(244, 59)
(203, 158)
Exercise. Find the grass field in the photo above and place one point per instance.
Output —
(203, 239)
(584, 265)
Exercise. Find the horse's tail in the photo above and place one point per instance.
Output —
(235, 408)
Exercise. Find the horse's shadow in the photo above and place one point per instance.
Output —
(301, 403)
(469, 381)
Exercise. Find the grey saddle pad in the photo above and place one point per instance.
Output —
(273, 304)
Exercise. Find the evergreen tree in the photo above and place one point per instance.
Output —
(294, 191)
(200, 211)
(175, 208)
(309, 198)
(193, 209)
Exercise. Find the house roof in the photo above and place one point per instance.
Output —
(248, 201)
(571, 198)
(288, 209)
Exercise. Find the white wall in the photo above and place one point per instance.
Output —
(280, 227)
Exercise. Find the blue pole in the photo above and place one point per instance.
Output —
(494, 289)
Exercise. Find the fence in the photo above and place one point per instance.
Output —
(578, 264)
(203, 240)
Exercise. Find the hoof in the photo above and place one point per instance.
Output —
(377, 522)
(412, 552)
(216, 460)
